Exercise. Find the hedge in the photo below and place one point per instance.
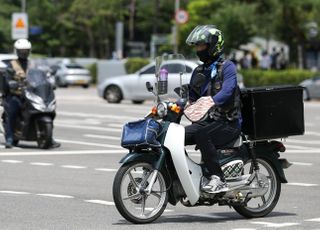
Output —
(93, 71)
(134, 64)
(255, 77)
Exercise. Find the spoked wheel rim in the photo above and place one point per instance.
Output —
(137, 204)
(259, 204)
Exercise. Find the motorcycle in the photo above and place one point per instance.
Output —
(151, 176)
(35, 122)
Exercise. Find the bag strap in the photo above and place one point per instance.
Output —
(18, 69)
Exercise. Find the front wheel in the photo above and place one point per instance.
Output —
(44, 135)
(129, 195)
(263, 205)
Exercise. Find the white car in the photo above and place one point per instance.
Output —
(133, 86)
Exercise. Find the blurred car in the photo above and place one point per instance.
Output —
(133, 86)
(71, 74)
(311, 88)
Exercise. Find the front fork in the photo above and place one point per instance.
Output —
(157, 167)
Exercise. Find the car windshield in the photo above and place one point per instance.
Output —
(74, 66)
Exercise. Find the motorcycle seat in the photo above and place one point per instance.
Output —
(233, 144)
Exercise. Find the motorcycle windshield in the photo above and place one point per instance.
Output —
(170, 73)
(38, 84)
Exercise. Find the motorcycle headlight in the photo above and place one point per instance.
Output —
(162, 109)
(36, 101)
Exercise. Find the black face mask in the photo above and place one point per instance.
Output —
(23, 54)
(204, 56)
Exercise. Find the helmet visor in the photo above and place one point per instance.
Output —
(201, 35)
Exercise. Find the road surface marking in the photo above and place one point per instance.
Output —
(100, 202)
(41, 164)
(302, 184)
(302, 163)
(243, 229)
(54, 195)
(297, 147)
(102, 137)
(311, 133)
(89, 143)
(106, 170)
(274, 225)
(67, 152)
(15, 192)
(12, 161)
(73, 166)
(314, 142)
(314, 220)
(315, 150)
(64, 125)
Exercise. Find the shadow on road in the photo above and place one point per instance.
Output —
(207, 218)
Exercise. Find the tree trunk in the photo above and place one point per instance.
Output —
(131, 20)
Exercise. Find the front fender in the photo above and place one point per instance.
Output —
(149, 157)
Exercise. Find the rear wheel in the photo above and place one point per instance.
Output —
(262, 206)
(113, 94)
(44, 135)
(130, 198)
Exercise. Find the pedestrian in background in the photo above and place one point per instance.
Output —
(265, 61)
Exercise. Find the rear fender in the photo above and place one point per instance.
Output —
(268, 151)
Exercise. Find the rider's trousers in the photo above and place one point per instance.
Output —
(12, 108)
(208, 136)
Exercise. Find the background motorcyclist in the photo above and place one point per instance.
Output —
(213, 83)
(16, 77)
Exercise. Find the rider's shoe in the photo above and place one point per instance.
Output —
(54, 144)
(9, 144)
(213, 185)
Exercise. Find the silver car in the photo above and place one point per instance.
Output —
(133, 86)
(311, 88)
(71, 74)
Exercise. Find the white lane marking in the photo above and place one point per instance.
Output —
(314, 220)
(116, 125)
(41, 164)
(54, 195)
(311, 133)
(92, 115)
(298, 147)
(302, 184)
(304, 151)
(104, 202)
(64, 125)
(89, 143)
(274, 225)
(314, 142)
(102, 137)
(73, 166)
(68, 152)
(243, 229)
(12, 161)
(106, 170)
(302, 163)
(14, 192)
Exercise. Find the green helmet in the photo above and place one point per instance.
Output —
(210, 35)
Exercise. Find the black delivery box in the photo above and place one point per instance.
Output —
(272, 112)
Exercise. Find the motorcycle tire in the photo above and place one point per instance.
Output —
(268, 204)
(45, 138)
(134, 197)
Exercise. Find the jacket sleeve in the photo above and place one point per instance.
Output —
(229, 73)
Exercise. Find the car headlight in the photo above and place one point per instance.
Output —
(162, 109)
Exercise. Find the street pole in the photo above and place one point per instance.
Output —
(176, 30)
(23, 5)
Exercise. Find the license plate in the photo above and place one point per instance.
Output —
(80, 81)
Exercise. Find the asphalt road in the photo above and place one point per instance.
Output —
(70, 187)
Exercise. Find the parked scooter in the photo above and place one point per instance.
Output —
(158, 170)
(35, 122)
